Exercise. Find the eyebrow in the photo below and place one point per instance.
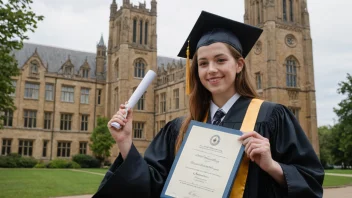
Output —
(214, 56)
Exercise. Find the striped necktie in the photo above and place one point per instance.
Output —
(217, 117)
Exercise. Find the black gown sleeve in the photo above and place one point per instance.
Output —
(291, 148)
(142, 177)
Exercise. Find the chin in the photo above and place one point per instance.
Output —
(216, 91)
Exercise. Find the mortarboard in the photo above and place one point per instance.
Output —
(211, 28)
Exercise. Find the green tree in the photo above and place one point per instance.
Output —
(336, 148)
(102, 140)
(325, 144)
(343, 131)
(16, 19)
(345, 111)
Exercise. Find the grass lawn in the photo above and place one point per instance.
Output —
(340, 171)
(44, 183)
(336, 181)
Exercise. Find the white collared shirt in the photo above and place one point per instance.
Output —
(225, 108)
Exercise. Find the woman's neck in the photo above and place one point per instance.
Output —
(221, 99)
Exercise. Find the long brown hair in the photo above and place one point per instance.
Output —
(200, 97)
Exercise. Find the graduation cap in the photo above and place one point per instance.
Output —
(211, 28)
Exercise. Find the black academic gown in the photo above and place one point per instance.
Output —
(304, 175)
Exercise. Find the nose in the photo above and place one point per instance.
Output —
(212, 67)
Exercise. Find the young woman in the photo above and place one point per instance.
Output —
(281, 160)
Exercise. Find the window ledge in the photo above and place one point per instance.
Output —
(27, 128)
(67, 102)
(31, 99)
(34, 75)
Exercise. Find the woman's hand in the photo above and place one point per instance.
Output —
(122, 136)
(257, 148)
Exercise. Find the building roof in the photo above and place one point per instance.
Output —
(164, 61)
(54, 57)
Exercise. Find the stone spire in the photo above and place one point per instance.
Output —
(113, 10)
(100, 57)
(126, 2)
(101, 42)
(153, 6)
(305, 15)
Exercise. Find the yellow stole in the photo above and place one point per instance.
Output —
(248, 125)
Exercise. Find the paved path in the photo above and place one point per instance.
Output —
(87, 172)
(345, 192)
(338, 174)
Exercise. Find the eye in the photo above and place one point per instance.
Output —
(203, 63)
(221, 60)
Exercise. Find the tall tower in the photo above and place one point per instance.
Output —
(281, 62)
(100, 59)
(132, 51)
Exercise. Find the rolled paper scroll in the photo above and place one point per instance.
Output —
(137, 94)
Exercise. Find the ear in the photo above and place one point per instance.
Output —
(240, 65)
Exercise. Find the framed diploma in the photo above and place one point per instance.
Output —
(206, 164)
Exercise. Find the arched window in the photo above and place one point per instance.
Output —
(34, 67)
(284, 13)
(139, 68)
(146, 33)
(134, 30)
(117, 69)
(141, 32)
(68, 70)
(291, 10)
(291, 72)
(85, 73)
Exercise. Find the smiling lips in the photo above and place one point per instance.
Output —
(214, 80)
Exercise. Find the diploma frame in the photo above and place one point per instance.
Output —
(236, 163)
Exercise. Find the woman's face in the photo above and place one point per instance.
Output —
(217, 69)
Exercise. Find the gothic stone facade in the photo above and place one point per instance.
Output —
(60, 92)
(282, 60)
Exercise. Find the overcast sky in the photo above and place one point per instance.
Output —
(78, 25)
